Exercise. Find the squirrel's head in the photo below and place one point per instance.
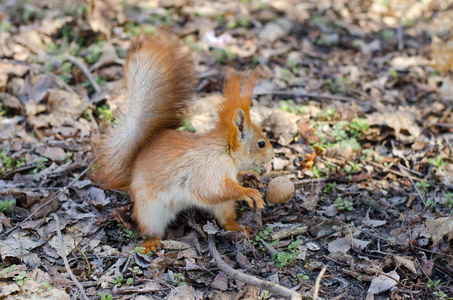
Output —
(252, 148)
(247, 144)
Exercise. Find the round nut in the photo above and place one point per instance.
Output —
(280, 190)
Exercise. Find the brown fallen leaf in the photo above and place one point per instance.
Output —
(308, 133)
(405, 262)
(440, 228)
(119, 213)
(220, 282)
(442, 54)
(49, 208)
(382, 283)
(308, 162)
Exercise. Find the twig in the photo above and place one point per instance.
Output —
(85, 71)
(429, 278)
(318, 282)
(238, 275)
(410, 178)
(312, 95)
(393, 171)
(65, 259)
(311, 180)
(86, 259)
(443, 125)
(294, 230)
(50, 200)
(400, 37)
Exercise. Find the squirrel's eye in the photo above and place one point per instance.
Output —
(261, 144)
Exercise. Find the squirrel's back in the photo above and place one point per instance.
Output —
(158, 88)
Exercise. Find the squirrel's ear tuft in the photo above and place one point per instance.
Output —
(239, 120)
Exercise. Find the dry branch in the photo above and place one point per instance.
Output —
(85, 71)
(262, 284)
(65, 259)
(318, 282)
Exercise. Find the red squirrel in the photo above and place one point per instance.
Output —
(166, 170)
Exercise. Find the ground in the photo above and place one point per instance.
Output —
(355, 96)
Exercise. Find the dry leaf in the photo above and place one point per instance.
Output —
(307, 163)
(442, 54)
(403, 122)
(439, 228)
(402, 261)
(381, 284)
(220, 282)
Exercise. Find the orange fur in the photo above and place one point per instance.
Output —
(237, 95)
(158, 88)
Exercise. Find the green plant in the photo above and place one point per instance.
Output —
(430, 204)
(105, 113)
(282, 258)
(326, 115)
(5, 26)
(437, 162)
(448, 200)
(338, 84)
(316, 172)
(104, 296)
(45, 287)
(40, 165)
(94, 54)
(291, 107)
(302, 276)
(440, 294)
(357, 126)
(293, 63)
(20, 278)
(129, 234)
(422, 186)
(223, 54)
(339, 133)
(352, 142)
(343, 204)
(265, 294)
(20, 162)
(66, 158)
(179, 279)
(329, 187)
(134, 271)
(8, 162)
(263, 235)
(4, 273)
(285, 75)
(352, 167)
(431, 283)
(135, 30)
(5, 205)
(388, 35)
(118, 281)
(394, 74)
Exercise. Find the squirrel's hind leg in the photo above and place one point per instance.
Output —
(152, 217)
(225, 215)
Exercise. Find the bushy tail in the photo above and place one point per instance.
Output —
(159, 85)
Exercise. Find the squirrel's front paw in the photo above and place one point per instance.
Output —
(250, 179)
(254, 196)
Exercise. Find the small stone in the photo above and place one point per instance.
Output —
(312, 246)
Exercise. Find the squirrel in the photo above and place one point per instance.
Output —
(166, 170)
